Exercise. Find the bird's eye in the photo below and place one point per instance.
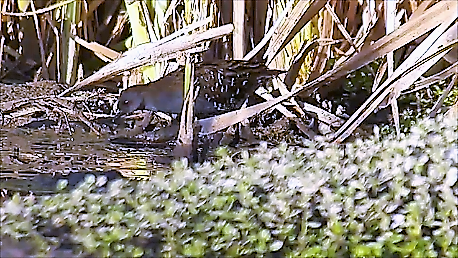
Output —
(126, 102)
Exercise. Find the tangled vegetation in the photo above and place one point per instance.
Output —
(379, 197)
(372, 198)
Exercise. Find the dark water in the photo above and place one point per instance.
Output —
(26, 153)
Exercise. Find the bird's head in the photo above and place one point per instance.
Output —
(129, 101)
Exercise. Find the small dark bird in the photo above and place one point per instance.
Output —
(224, 87)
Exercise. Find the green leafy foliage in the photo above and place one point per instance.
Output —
(373, 198)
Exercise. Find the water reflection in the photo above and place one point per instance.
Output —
(25, 152)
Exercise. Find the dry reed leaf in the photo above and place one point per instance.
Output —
(405, 76)
(421, 8)
(301, 14)
(341, 27)
(280, 20)
(409, 31)
(379, 75)
(391, 23)
(217, 123)
(427, 47)
(102, 52)
(270, 33)
(437, 14)
(323, 115)
(293, 71)
(433, 79)
(152, 52)
(170, 9)
(322, 52)
(444, 95)
(369, 20)
(262, 92)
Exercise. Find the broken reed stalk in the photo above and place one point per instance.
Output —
(152, 52)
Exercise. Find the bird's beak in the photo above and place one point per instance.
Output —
(117, 118)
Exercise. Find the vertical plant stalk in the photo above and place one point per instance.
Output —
(270, 33)
(44, 68)
(238, 38)
(71, 14)
(186, 132)
(142, 32)
(149, 25)
(156, 31)
(138, 23)
(2, 39)
(184, 142)
(187, 11)
(390, 26)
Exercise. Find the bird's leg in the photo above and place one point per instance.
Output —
(236, 136)
(243, 131)
(246, 133)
